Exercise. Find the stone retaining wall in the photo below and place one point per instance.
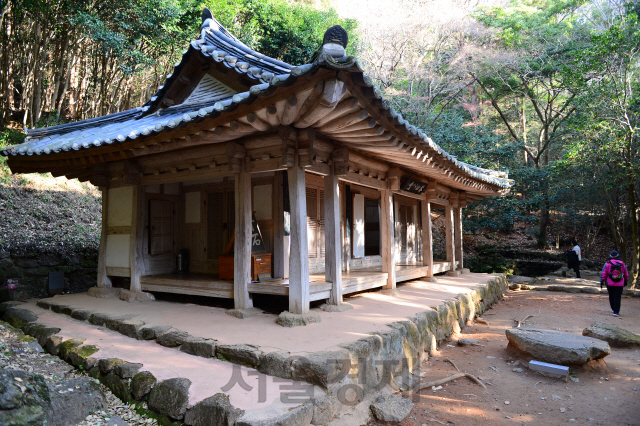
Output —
(358, 370)
(80, 270)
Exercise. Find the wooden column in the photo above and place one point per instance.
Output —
(280, 241)
(387, 226)
(332, 241)
(103, 279)
(299, 256)
(242, 243)
(448, 220)
(427, 236)
(457, 219)
(136, 247)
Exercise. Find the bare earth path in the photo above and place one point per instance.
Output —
(609, 396)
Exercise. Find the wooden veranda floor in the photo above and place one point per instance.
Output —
(352, 282)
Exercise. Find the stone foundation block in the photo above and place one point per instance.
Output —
(127, 370)
(205, 348)
(248, 355)
(130, 328)
(276, 364)
(171, 397)
(287, 319)
(80, 315)
(135, 296)
(343, 307)
(244, 313)
(151, 333)
(215, 410)
(300, 416)
(141, 384)
(173, 339)
(104, 292)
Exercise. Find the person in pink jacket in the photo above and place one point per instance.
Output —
(615, 276)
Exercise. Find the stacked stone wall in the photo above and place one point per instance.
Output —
(32, 270)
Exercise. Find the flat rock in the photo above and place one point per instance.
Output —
(557, 347)
(171, 397)
(287, 319)
(391, 408)
(614, 335)
(468, 342)
(518, 279)
(130, 328)
(107, 365)
(590, 290)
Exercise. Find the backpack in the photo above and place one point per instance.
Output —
(615, 273)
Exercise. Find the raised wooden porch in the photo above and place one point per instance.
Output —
(319, 289)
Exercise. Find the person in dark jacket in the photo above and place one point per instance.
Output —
(615, 276)
(575, 257)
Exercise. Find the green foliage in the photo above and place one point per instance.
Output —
(290, 32)
(8, 137)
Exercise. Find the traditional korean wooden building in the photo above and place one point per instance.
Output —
(340, 184)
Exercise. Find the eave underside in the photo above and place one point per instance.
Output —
(325, 112)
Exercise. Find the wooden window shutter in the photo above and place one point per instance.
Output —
(312, 221)
(161, 227)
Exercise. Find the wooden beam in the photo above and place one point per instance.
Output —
(299, 258)
(242, 242)
(450, 240)
(427, 237)
(332, 241)
(367, 181)
(103, 279)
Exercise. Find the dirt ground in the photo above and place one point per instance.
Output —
(608, 395)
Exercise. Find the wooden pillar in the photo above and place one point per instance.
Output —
(448, 220)
(387, 226)
(457, 219)
(332, 241)
(242, 243)
(280, 241)
(136, 257)
(103, 279)
(299, 256)
(427, 237)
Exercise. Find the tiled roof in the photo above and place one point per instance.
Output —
(269, 74)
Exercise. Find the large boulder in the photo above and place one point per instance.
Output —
(25, 399)
(171, 397)
(557, 347)
(616, 336)
(141, 384)
(391, 408)
(74, 399)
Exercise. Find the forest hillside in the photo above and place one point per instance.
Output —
(544, 89)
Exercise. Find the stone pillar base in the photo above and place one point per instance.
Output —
(104, 292)
(135, 296)
(336, 308)
(287, 319)
(243, 313)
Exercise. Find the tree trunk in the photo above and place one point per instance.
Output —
(635, 259)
